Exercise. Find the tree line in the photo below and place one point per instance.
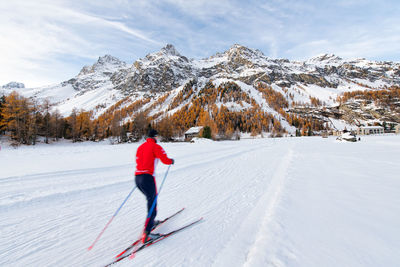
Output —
(388, 97)
(24, 119)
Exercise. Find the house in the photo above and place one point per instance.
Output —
(397, 128)
(193, 132)
(337, 132)
(365, 130)
(347, 136)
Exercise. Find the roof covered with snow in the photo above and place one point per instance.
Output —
(371, 127)
(194, 130)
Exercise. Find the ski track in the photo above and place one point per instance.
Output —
(253, 231)
(11, 200)
(51, 230)
(222, 213)
(215, 177)
(264, 203)
(261, 252)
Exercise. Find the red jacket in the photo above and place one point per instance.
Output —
(147, 156)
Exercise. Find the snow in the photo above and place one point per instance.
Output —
(209, 62)
(52, 92)
(324, 94)
(375, 84)
(341, 125)
(194, 130)
(98, 86)
(306, 201)
(201, 140)
(13, 86)
(372, 127)
(325, 59)
(234, 106)
(105, 95)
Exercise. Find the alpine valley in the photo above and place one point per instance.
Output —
(240, 88)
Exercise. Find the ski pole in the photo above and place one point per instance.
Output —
(151, 209)
(155, 199)
(112, 218)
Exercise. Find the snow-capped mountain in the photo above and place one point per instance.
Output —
(98, 75)
(166, 73)
(13, 86)
(157, 72)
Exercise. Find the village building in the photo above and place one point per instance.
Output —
(193, 132)
(397, 128)
(337, 132)
(366, 130)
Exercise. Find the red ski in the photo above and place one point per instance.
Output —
(137, 241)
(154, 241)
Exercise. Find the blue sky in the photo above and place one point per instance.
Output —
(49, 41)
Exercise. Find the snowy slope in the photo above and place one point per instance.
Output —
(93, 86)
(109, 80)
(265, 202)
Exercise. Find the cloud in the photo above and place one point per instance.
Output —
(135, 33)
(35, 35)
(50, 40)
(374, 41)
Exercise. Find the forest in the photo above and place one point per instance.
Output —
(24, 119)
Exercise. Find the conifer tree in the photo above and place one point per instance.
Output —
(206, 132)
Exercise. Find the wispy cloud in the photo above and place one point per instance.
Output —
(52, 40)
(48, 41)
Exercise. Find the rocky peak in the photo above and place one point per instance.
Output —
(160, 71)
(108, 59)
(105, 64)
(169, 49)
(167, 53)
(13, 85)
(325, 58)
(240, 51)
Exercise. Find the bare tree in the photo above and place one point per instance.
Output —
(139, 125)
(56, 122)
(74, 125)
(34, 122)
(116, 128)
(165, 128)
(46, 106)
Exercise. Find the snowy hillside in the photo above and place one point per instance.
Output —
(110, 80)
(12, 86)
(91, 87)
(265, 202)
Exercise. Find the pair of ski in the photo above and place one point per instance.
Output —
(127, 253)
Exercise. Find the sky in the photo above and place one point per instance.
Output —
(44, 42)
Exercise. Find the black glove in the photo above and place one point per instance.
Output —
(173, 161)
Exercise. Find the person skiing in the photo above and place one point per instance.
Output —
(147, 156)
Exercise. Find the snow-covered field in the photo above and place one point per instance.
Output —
(265, 202)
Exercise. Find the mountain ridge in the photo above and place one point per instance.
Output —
(165, 73)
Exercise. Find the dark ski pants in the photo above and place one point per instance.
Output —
(147, 184)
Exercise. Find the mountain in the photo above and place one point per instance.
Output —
(13, 86)
(242, 78)
(157, 72)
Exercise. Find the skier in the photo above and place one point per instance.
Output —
(147, 156)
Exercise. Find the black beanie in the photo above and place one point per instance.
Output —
(153, 133)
